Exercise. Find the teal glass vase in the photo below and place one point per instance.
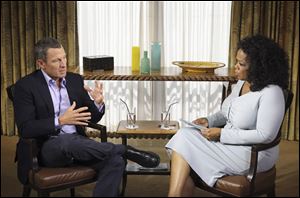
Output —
(155, 56)
(145, 64)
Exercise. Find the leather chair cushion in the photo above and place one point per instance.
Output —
(240, 186)
(55, 177)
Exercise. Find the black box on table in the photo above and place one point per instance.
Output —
(99, 62)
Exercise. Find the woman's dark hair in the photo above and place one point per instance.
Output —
(268, 62)
(42, 46)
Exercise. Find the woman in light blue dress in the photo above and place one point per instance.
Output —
(252, 113)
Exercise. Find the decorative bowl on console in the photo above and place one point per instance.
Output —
(198, 66)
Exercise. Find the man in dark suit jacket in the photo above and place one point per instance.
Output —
(52, 105)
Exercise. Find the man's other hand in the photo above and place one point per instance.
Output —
(75, 116)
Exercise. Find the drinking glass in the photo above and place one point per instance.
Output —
(165, 119)
(131, 120)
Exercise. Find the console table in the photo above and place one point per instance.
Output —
(166, 74)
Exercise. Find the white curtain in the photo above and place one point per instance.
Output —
(195, 31)
(187, 30)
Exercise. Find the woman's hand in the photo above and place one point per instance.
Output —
(96, 93)
(212, 134)
(201, 121)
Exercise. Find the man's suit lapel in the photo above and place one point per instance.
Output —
(70, 89)
(43, 89)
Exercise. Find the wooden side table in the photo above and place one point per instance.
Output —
(145, 129)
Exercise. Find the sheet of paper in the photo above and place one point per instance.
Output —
(200, 127)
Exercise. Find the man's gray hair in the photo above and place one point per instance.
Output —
(42, 46)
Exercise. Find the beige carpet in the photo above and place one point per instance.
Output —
(287, 183)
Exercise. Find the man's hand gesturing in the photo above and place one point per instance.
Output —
(96, 93)
(76, 117)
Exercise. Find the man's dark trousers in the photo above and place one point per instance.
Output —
(64, 149)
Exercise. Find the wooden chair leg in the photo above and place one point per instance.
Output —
(72, 191)
(26, 191)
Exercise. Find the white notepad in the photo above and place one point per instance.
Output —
(198, 126)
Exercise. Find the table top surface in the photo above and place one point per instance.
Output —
(147, 127)
(165, 74)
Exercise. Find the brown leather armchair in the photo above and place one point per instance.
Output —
(253, 183)
(46, 180)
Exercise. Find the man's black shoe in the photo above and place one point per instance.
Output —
(144, 158)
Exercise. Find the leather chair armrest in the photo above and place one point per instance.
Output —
(254, 156)
(255, 148)
(101, 128)
(261, 147)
